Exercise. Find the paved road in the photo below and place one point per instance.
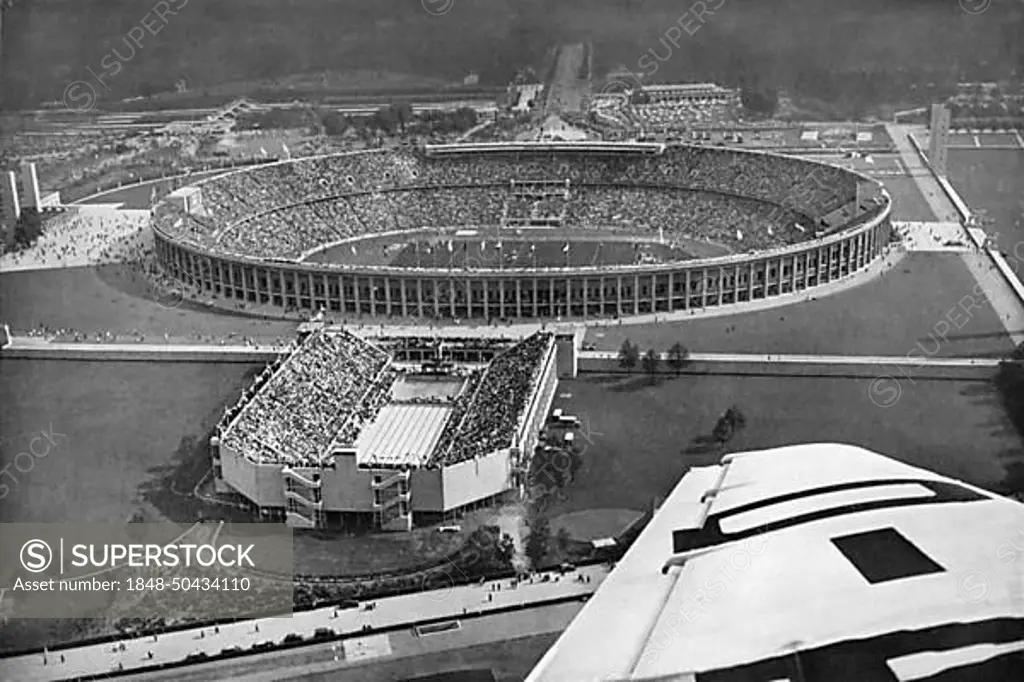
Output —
(310, 662)
(452, 603)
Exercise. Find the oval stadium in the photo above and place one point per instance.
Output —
(503, 231)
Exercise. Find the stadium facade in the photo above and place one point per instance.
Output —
(325, 439)
(249, 243)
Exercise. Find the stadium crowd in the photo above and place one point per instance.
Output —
(489, 411)
(293, 416)
(334, 384)
(284, 210)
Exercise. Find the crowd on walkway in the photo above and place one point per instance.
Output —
(84, 237)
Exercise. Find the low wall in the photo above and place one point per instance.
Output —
(123, 353)
(912, 369)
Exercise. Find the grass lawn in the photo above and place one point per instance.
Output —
(907, 201)
(991, 182)
(134, 441)
(889, 315)
(115, 298)
(643, 436)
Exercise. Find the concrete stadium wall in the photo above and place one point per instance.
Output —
(427, 488)
(346, 487)
(530, 293)
(261, 484)
(529, 434)
(476, 479)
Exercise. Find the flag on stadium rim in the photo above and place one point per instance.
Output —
(450, 246)
(353, 249)
(565, 249)
(739, 235)
(533, 247)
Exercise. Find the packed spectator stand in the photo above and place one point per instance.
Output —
(487, 419)
(283, 211)
(334, 384)
(320, 388)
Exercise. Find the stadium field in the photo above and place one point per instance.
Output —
(515, 249)
(991, 182)
(888, 315)
(641, 433)
(982, 140)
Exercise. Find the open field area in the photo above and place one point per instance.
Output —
(889, 315)
(907, 201)
(991, 182)
(981, 140)
(130, 430)
(641, 435)
(116, 298)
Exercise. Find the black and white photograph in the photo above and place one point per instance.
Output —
(512, 340)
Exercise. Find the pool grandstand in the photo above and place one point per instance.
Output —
(743, 225)
(345, 431)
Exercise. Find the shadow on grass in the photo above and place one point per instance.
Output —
(639, 382)
(702, 445)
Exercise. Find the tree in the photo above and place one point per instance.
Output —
(678, 357)
(464, 118)
(760, 99)
(651, 360)
(628, 356)
(385, 118)
(507, 548)
(333, 123)
(562, 540)
(729, 423)
(736, 418)
(28, 228)
(401, 113)
(538, 539)
(723, 430)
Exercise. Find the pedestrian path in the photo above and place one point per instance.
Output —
(933, 237)
(364, 624)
